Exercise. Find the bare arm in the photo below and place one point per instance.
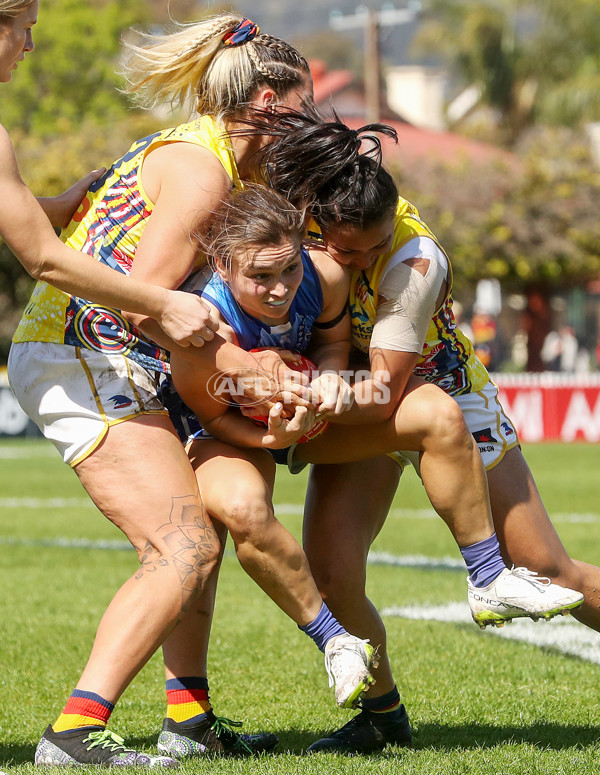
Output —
(376, 398)
(210, 395)
(280, 431)
(330, 342)
(28, 233)
(403, 324)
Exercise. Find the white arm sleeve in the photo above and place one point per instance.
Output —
(403, 319)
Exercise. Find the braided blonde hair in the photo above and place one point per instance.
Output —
(193, 65)
(9, 9)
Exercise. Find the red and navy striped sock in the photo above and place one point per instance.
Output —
(387, 703)
(187, 699)
(83, 709)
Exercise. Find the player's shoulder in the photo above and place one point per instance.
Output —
(327, 268)
(188, 166)
(7, 154)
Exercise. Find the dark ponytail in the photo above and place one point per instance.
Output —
(332, 171)
(361, 194)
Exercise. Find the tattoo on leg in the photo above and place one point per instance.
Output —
(150, 559)
(190, 542)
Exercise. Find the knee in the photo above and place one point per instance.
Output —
(248, 516)
(194, 555)
(448, 428)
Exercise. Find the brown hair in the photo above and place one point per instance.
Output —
(254, 218)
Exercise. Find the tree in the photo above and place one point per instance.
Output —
(535, 62)
(71, 76)
(533, 226)
(565, 54)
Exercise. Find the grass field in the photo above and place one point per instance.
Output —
(479, 703)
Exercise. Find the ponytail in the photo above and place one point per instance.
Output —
(216, 65)
(333, 171)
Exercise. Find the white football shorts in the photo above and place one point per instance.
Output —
(492, 430)
(74, 395)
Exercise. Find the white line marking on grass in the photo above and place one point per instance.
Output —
(18, 453)
(562, 633)
(416, 561)
(45, 503)
(67, 543)
(289, 509)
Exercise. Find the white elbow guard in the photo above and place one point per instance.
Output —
(403, 319)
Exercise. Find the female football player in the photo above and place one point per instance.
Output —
(265, 292)
(88, 377)
(268, 291)
(401, 308)
(27, 231)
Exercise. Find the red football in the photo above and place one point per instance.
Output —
(301, 363)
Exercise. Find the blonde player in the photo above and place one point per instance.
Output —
(87, 374)
(27, 231)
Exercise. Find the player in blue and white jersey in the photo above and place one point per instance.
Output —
(401, 306)
(268, 290)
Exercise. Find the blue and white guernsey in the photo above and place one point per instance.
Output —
(251, 334)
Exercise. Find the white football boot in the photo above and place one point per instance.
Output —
(348, 661)
(520, 592)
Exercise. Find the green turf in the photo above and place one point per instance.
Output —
(478, 704)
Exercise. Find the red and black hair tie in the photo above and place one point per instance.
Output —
(245, 31)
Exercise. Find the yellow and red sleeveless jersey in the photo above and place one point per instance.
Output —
(447, 358)
(108, 225)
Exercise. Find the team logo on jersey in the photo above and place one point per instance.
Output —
(508, 431)
(121, 402)
(103, 329)
(484, 436)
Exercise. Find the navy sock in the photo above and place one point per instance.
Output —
(484, 561)
(387, 703)
(323, 628)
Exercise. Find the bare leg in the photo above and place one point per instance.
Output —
(342, 518)
(237, 488)
(185, 651)
(430, 422)
(527, 536)
(153, 498)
